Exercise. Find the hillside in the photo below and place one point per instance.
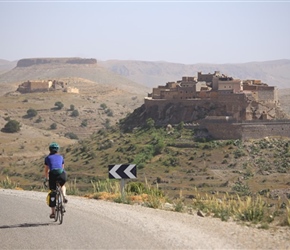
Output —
(96, 85)
(175, 162)
(104, 98)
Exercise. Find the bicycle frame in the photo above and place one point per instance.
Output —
(59, 208)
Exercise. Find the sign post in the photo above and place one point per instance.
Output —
(122, 172)
(122, 187)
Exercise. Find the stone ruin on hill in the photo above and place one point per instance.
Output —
(45, 86)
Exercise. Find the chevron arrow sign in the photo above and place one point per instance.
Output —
(122, 171)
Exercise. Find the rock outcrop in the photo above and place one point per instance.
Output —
(38, 61)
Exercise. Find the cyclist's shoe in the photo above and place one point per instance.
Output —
(52, 216)
(65, 200)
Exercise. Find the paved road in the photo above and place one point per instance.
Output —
(94, 224)
(24, 224)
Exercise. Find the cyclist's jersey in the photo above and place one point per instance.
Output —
(54, 162)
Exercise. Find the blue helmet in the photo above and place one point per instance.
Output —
(53, 147)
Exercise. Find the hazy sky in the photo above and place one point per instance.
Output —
(174, 31)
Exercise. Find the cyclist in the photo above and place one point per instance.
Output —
(54, 171)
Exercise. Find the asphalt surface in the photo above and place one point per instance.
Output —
(25, 224)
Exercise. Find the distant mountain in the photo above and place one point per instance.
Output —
(152, 74)
(6, 65)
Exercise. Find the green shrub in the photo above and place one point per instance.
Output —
(150, 123)
(107, 123)
(158, 147)
(75, 113)
(109, 112)
(135, 187)
(84, 123)
(12, 126)
(103, 106)
(53, 126)
(59, 105)
(180, 126)
(71, 135)
(31, 112)
(239, 153)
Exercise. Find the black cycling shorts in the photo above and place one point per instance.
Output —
(53, 178)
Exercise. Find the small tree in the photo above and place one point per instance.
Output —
(59, 105)
(12, 126)
(31, 112)
(72, 107)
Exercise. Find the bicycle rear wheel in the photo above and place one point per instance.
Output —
(57, 207)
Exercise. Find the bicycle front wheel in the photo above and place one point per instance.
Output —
(60, 208)
(60, 213)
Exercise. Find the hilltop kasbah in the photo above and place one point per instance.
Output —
(221, 106)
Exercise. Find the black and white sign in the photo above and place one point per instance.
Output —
(122, 171)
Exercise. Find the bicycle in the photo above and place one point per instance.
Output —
(59, 207)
